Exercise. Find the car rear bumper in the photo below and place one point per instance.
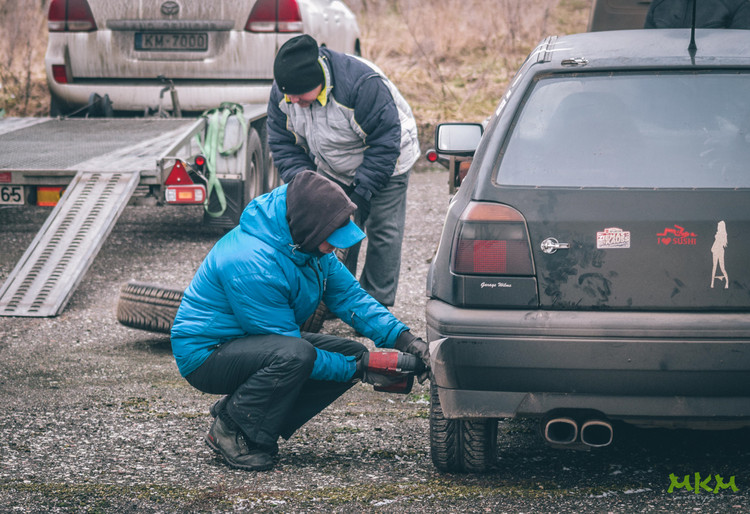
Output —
(136, 97)
(627, 365)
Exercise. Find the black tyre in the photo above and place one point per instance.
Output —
(315, 322)
(272, 177)
(55, 106)
(148, 306)
(460, 445)
(255, 175)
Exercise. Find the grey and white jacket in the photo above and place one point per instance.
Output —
(359, 131)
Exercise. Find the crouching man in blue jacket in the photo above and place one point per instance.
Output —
(237, 331)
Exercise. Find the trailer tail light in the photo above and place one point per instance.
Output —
(48, 196)
(188, 195)
(275, 16)
(491, 239)
(200, 163)
(180, 188)
(70, 16)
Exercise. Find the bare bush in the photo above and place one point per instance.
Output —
(452, 59)
(23, 37)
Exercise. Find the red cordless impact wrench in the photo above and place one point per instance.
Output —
(391, 372)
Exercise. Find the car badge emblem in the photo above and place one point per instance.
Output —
(170, 8)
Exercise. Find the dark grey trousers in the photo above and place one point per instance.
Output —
(385, 234)
(267, 380)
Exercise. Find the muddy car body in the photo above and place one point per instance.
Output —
(214, 51)
(592, 265)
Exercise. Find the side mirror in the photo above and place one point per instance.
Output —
(458, 138)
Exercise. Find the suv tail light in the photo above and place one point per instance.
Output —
(275, 16)
(70, 16)
(491, 239)
(60, 73)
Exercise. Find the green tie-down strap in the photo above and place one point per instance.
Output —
(213, 145)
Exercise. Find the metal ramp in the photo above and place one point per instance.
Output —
(106, 159)
(49, 271)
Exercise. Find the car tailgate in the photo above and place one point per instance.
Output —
(137, 40)
(640, 249)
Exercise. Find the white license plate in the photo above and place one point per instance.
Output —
(172, 41)
(11, 195)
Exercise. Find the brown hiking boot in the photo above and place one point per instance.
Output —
(231, 444)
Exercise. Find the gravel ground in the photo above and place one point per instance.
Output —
(94, 416)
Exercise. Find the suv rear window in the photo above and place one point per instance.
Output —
(629, 130)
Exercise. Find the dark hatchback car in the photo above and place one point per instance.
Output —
(593, 266)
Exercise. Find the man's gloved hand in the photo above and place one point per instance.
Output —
(409, 343)
(369, 377)
(363, 206)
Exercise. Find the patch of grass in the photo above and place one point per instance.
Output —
(103, 497)
(447, 488)
(345, 430)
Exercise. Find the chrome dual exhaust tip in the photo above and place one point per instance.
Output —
(567, 431)
(561, 431)
(597, 433)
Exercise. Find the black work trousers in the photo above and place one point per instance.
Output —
(267, 380)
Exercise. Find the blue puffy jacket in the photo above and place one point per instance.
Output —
(254, 281)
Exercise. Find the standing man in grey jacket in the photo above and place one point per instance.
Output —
(339, 115)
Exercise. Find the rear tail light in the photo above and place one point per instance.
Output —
(60, 73)
(70, 16)
(492, 239)
(48, 196)
(275, 16)
(181, 189)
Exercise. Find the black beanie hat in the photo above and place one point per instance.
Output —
(296, 68)
(315, 208)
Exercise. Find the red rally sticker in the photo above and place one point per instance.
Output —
(677, 236)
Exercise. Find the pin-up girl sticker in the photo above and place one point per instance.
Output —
(720, 244)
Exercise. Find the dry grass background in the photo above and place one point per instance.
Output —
(451, 59)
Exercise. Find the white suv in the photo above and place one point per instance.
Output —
(211, 51)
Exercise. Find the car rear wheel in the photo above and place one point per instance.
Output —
(148, 306)
(460, 445)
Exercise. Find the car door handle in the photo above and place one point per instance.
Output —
(551, 245)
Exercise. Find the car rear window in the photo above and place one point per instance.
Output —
(632, 130)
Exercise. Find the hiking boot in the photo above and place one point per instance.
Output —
(219, 406)
(232, 445)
